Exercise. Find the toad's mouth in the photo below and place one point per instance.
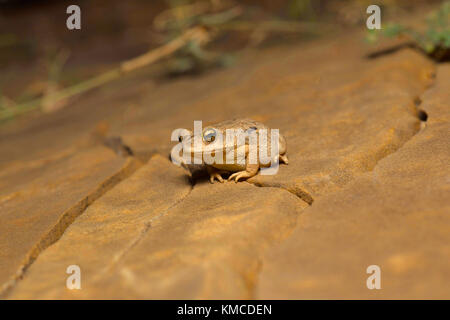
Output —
(213, 150)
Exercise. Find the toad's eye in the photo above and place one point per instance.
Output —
(209, 135)
(252, 129)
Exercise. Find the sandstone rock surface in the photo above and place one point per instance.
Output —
(375, 176)
(39, 199)
(150, 237)
(107, 229)
(396, 217)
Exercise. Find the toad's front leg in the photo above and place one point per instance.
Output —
(250, 171)
(214, 174)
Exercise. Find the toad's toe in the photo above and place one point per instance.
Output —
(215, 176)
(284, 159)
(238, 175)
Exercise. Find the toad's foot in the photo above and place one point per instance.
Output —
(249, 172)
(284, 159)
(215, 175)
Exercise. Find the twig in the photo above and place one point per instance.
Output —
(197, 34)
(54, 69)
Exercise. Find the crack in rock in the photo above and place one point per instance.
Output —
(116, 144)
(66, 219)
(147, 226)
(300, 193)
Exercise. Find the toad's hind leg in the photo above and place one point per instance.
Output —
(250, 171)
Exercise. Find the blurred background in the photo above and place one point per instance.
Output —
(39, 56)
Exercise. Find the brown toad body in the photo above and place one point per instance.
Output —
(249, 165)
